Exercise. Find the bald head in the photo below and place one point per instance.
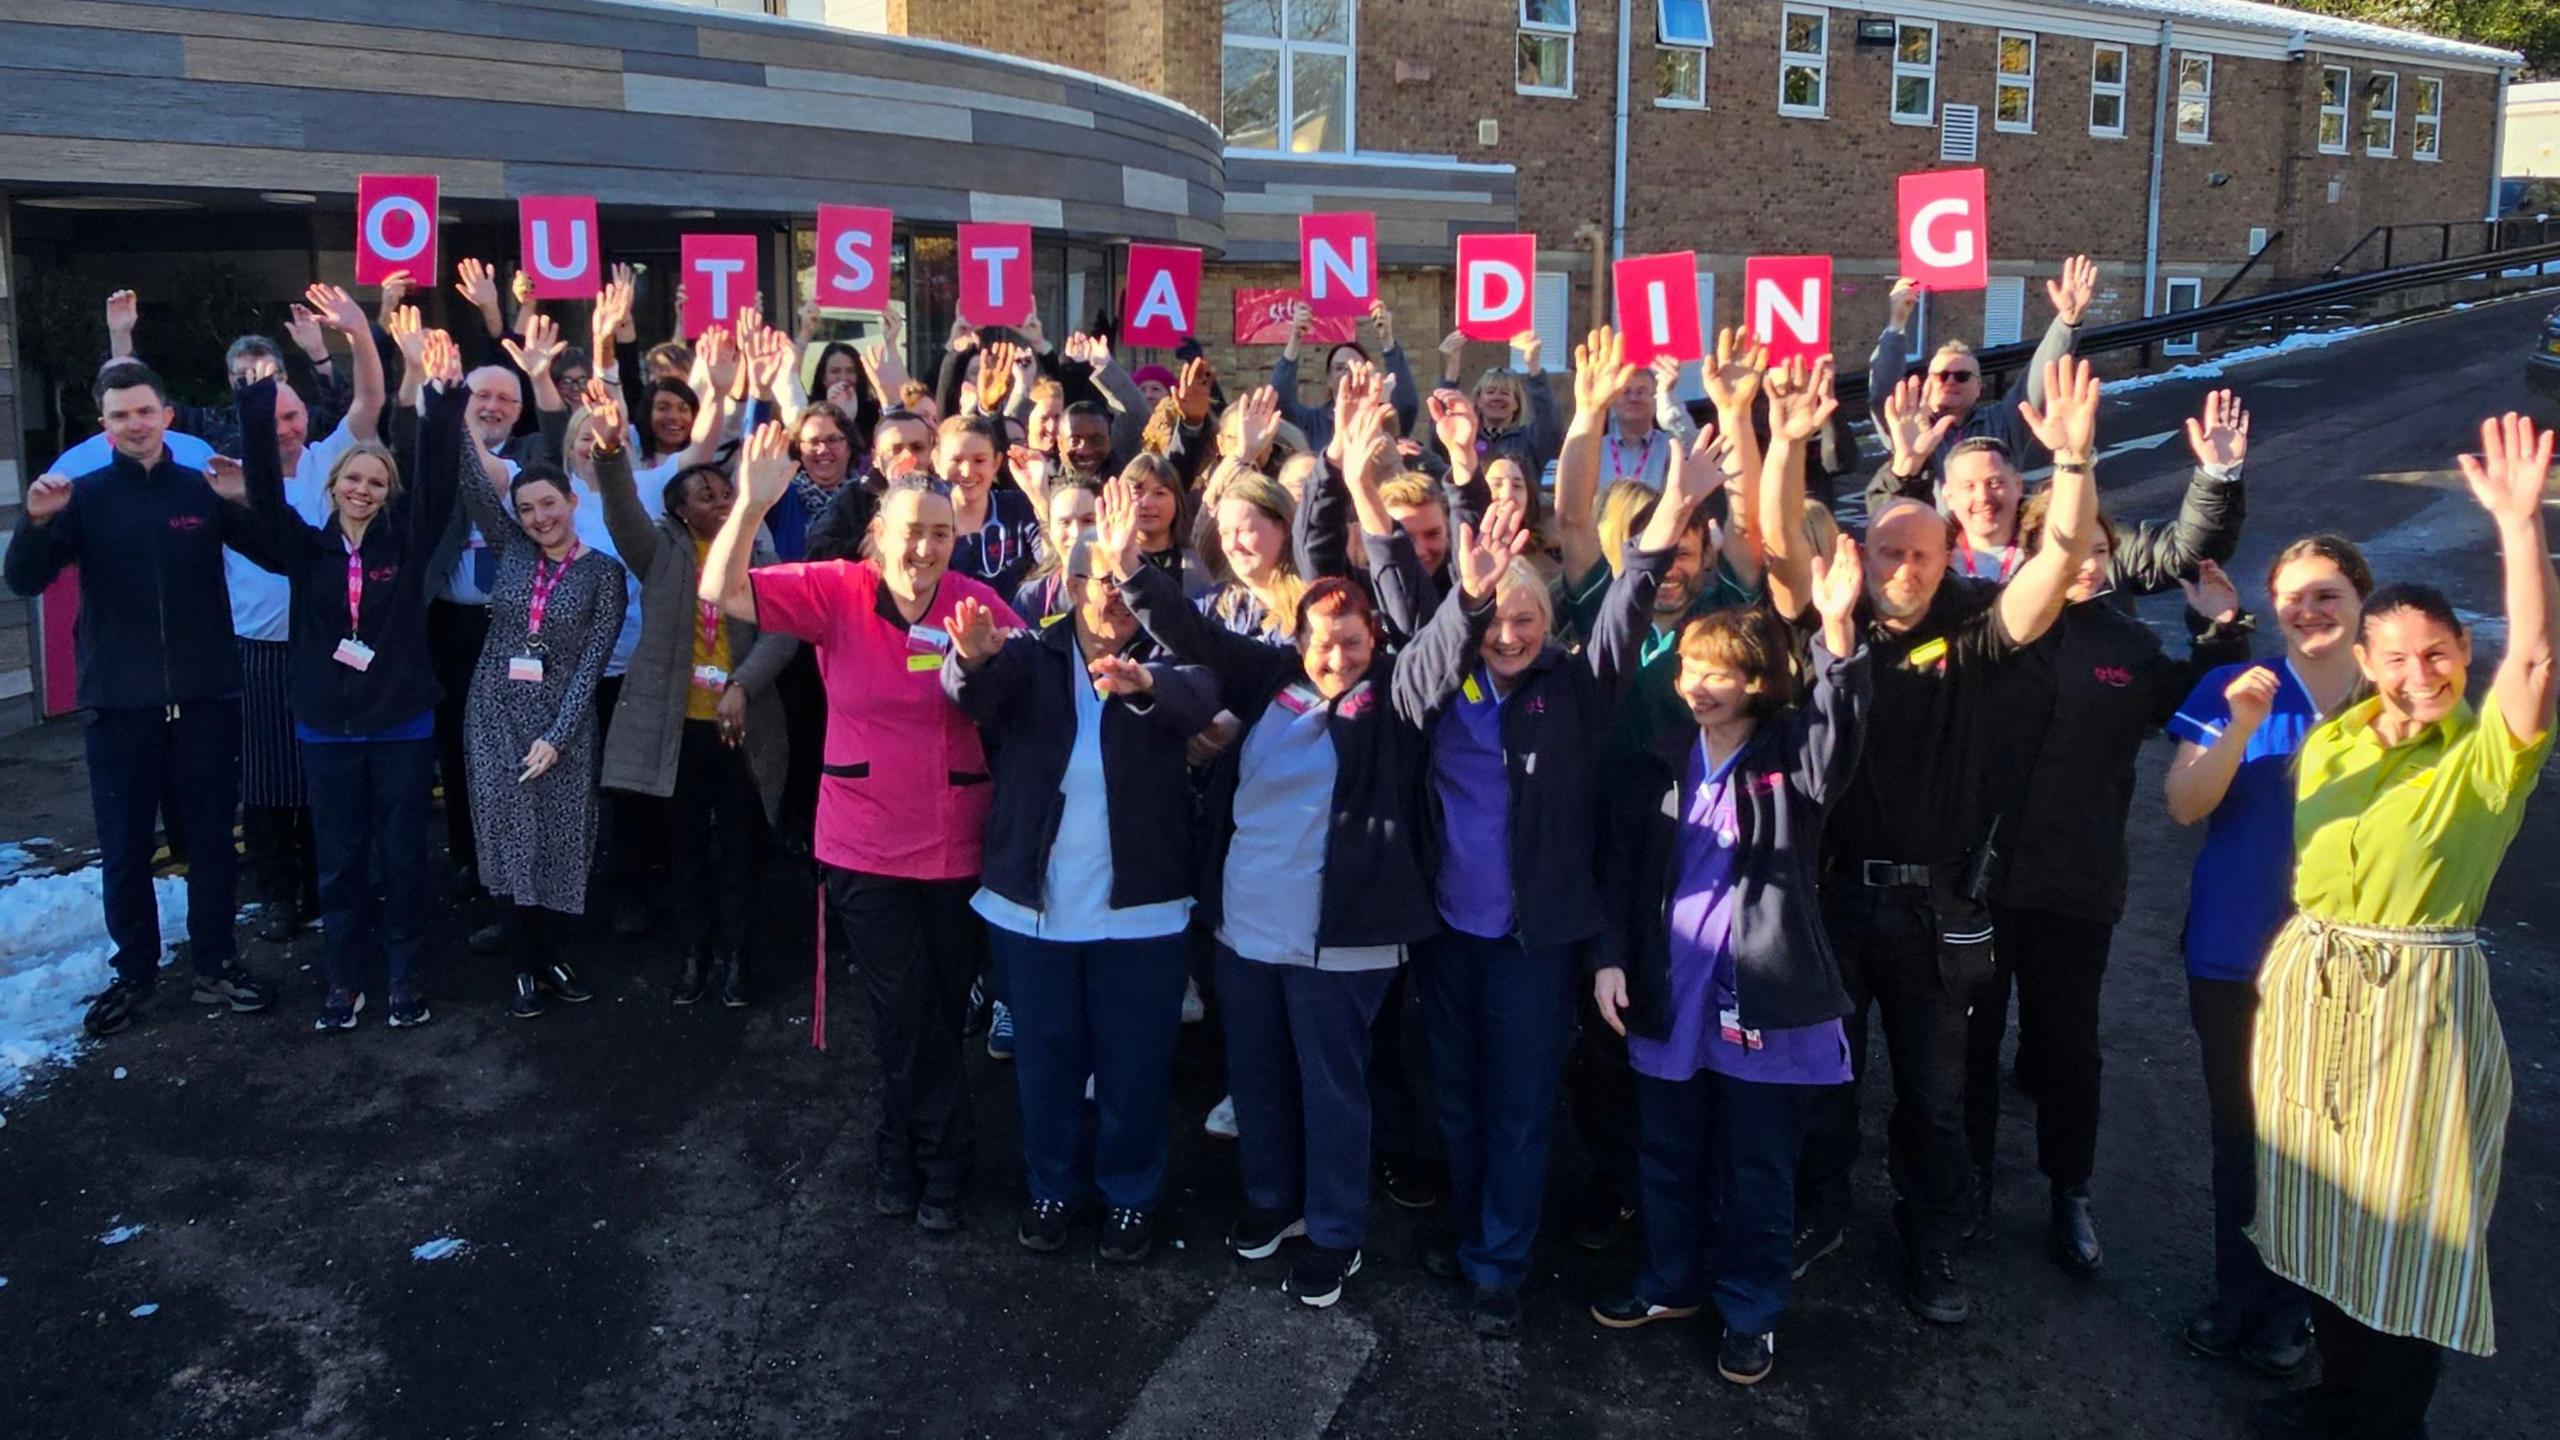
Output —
(1906, 560)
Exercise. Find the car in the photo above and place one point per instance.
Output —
(2542, 366)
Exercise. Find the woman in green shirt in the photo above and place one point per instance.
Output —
(2379, 1070)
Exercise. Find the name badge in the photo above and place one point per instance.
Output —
(710, 677)
(917, 663)
(1298, 699)
(1473, 691)
(925, 637)
(527, 668)
(1925, 655)
(1729, 1026)
(354, 654)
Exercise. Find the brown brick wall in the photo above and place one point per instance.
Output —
(1062, 32)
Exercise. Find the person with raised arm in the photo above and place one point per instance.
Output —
(160, 672)
(1514, 403)
(2379, 1070)
(902, 803)
(1316, 422)
(1950, 395)
(1914, 838)
(997, 527)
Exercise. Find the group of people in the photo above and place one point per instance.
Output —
(1098, 692)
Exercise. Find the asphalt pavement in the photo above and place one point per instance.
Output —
(665, 1214)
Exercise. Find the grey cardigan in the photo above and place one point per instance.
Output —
(648, 721)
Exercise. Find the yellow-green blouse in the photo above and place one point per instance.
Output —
(2411, 834)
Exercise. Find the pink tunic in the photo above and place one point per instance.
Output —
(904, 787)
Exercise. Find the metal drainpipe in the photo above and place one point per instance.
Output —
(1618, 161)
(2497, 143)
(2162, 79)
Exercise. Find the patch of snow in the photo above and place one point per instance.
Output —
(442, 1248)
(121, 1072)
(121, 1234)
(144, 1311)
(2208, 369)
(54, 952)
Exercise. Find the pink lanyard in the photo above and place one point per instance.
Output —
(355, 586)
(2008, 557)
(544, 582)
(1644, 457)
(710, 628)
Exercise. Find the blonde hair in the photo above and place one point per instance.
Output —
(338, 467)
(1279, 594)
(1521, 576)
(1511, 384)
(1955, 347)
(1620, 504)
(1412, 491)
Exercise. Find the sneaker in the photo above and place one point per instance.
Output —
(1494, 1311)
(408, 1009)
(1931, 1289)
(940, 1216)
(1316, 1280)
(527, 1001)
(235, 987)
(1221, 1124)
(1746, 1359)
(974, 1019)
(1194, 1010)
(1408, 1182)
(1127, 1235)
(733, 981)
(692, 977)
(558, 978)
(2073, 1234)
(340, 1011)
(1258, 1235)
(1044, 1225)
(999, 1032)
(1813, 1242)
(1631, 1311)
(111, 1009)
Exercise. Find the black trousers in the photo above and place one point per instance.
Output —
(2225, 1015)
(718, 840)
(2057, 963)
(804, 721)
(135, 755)
(634, 841)
(279, 859)
(1603, 1089)
(917, 944)
(455, 635)
(1920, 959)
(2372, 1386)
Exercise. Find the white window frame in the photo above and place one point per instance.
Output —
(1285, 48)
(2340, 112)
(1662, 43)
(2098, 87)
(1553, 288)
(2177, 96)
(1819, 62)
(2427, 122)
(1904, 70)
(2002, 80)
(2170, 285)
(1546, 30)
(2390, 119)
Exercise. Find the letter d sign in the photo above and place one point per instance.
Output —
(1946, 230)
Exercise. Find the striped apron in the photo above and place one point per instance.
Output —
(2381, 1087)
(270, 758)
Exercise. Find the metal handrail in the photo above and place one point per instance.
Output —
(2250, 264)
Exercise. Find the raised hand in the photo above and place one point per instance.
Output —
(1528, 345)
(1030, 467)
(475, 282)
(1733, 376)
(719, 358)
(340, 311)
(747, 329)
(1115, 528)
(1908, 428)
(1801, 398)
(521, 287)
(227, 478)
(770, 367)
(764, 463)
(1036, 339)
(1666, 374)
(542, 345)
(48, 497)
(303, 328)
(613, 306)
(1360, 424)
(974, 637)
(2220, 435)
(1119, 675)
(1383, 317)
(626, 283)
(1359, 385)
(604, 416)
(1192, 393)
(964, 336)
(2074, 289)
(404, 328)
(2251, 696)
(1485, 552)
(2211, 594)
(124, 311)
(1453, 419)
(1699, 473)
(2067, 422)
(1257, 421)
(1302, 321)
(439, 359)
(2509, 474)
(1904, 299)
(1838, 580)
(1453, 349)
(395, 289)
(1600, 372)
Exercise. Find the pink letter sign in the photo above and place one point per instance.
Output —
(1495, 301)
(1338, 261)
(853, 257)
(1945, 230)
(995, 274)
(1164, 295)
(1789, 303)
(396, 229)
(557, 237)
(719, 279)
(1658, 307)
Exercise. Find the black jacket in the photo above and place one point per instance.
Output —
(1374, 891)
(2106, 685)
(155, 615)
(2150, 557)
(1790, 770)
(1325, 521)
(400, 684)
(1019, 697)
(1554, 723)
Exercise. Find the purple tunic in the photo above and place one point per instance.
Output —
(1474, 886)
(1702, 970)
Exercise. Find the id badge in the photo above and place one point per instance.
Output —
(926, 637)
(1729, 1029)
(710, 677)
(527, 668)
(354, 654)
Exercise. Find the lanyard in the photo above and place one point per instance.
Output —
(545, 580)
(710, 614)
(2008, 558)
(1644, 457)
(355, 585)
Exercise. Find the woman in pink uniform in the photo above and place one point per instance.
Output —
(902, 800)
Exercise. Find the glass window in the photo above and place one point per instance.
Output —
(1328, 21)
(2014, 103)
(1684, 22)
(1253, 98)
(2381, 113)
(2335, 83)
(1915, 72)
(1804, 62)
(2106, 89)
(1287, 75)
(2195, 98)
(2426, 127)
(1680, 77)
(1546, 47)
(1319, 103)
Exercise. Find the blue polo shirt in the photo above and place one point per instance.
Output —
(2242, 892)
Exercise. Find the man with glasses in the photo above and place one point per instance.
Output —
(1949, 391)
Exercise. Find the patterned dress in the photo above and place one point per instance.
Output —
(536, 840)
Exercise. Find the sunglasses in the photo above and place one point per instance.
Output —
(1956, 376)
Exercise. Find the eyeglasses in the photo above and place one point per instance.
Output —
(826, 442)
(1956, 377)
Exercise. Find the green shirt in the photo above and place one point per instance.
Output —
(2410, 834)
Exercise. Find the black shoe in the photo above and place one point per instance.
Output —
(893, 1195)
(1127, 1235)
(1044, 1225)
(630, 922)
(1257, 1235)
(339, 1011)
(2218, 1332)
(1317, 1279)
(733, 981)
(1814, 1242)
(2278, 1347)
(692, 977)
(488, 940)
(112, 1008)
(1746, 1359)
(973, 1020)
(940, 1216)
(1931, 1289)
(278, 922)
(1495, 1311)
(1977, 1225)
(235, 987)
(2074, 1234)
(1440, 1260)
(1602, 1223)
(1408, 1182)
(408, 1008)
(1631, 1311)
(563, 981)
(528, 999)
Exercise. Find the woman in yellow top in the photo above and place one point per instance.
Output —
(2379, 1070)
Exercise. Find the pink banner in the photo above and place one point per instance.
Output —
(1262, 318)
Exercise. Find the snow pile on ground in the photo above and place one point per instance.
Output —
(2208, 369)
(443, 1247)
(53, 951)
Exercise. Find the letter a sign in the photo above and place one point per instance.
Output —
(1164, 295)
(396, 229)
(557, 234)
(1946, 231)
(1495, 273)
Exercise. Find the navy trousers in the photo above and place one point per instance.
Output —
(1496, 1014)
(1109, 1010)
(1718, 1157)
(1298, 1065)
(369, 801)
(194, 750)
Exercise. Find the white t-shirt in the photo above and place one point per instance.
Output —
(262, 602)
